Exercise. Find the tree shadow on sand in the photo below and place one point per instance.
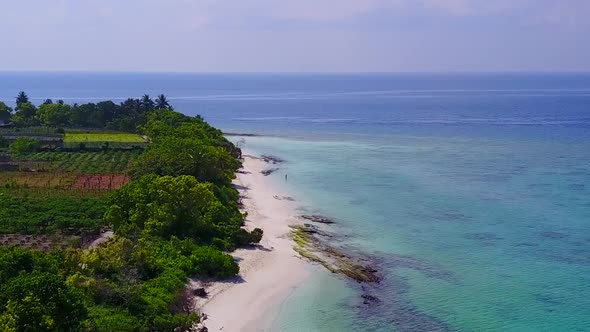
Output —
(240, 187)
(257, 247)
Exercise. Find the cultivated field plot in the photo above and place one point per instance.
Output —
(39, 242)
(37, 180)
(62, 180)
(100, 181)
(45, 211)
(90, 137)
(111, 161)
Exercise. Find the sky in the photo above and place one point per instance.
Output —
(295, 35)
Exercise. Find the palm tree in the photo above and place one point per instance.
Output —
(147, 103)
(21, 98)
(162, 102)
(131, 106)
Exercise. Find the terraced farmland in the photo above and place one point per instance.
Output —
(111, 161)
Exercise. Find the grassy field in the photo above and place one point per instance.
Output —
(84, 137)
(85, 162)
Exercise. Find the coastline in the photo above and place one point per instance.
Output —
(268, 272)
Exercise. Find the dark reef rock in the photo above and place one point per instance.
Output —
(318, 219)
(271, 159)
(553, 235)
(200, 292)
(577, 186)
(370, 299)
(482, 236)
(284, 198)
(242, 134)
(269, 171)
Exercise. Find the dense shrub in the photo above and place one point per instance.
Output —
(24, 145)
(34, 296)
(176, 156)
(174, 206)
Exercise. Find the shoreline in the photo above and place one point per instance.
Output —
(269, 272)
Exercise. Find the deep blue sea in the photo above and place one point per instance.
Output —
(470, 191)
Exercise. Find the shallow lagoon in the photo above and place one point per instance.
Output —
(470, 234)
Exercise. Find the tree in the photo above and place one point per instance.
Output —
(147, 103)
(24, 145)
(170, 206)
(108, 111)
(22, 98)
(33, 294)
(186, 156)
(164, 207)
(47, 102)
(25, 115)
(41, 301)
(129, 115)
(162, 102)
(5, 112)
(83, 115)
(54, 115)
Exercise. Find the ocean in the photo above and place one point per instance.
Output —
(470, 192)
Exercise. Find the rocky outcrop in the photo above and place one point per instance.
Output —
(200, 292)
(271, 159)
(284, 198)
(312, 243)
(269, 171)
(318, 219)
(370, 299)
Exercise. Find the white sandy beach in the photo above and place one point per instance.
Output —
(267, 274)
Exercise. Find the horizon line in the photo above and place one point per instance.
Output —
(293, 72)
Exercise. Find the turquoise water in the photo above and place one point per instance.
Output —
(472, 234)
(471, 192)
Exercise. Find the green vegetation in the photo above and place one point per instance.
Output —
(111, 161)
(35, 214)
(32, 131)
(102, 140)
(150, 207)
(24, 145)
(125, 117)
(5, 112)
(34, 295)
(77, 137)
(176, 219)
